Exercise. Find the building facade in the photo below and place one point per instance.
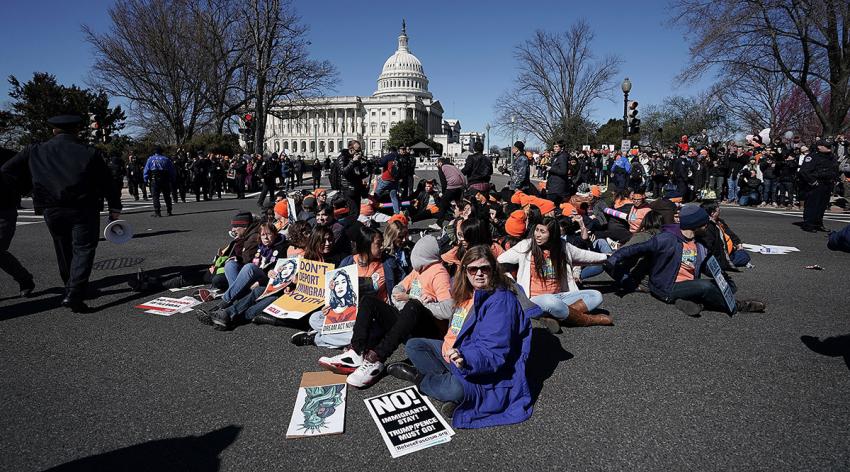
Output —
(322, 127)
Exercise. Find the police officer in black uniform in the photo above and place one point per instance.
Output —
(67, 179)
(201, 176)
(9, 199)
(817, 177)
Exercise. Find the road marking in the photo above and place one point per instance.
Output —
(839, 217)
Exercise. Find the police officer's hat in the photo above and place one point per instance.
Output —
(65, 121)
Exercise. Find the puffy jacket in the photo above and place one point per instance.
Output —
(520, 254)
(520, 173)
(495, 342)
(159, 165)
(665, 253)
(351, 172)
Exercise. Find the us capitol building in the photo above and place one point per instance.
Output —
(323, 126)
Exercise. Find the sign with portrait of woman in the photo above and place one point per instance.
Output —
(341, 296)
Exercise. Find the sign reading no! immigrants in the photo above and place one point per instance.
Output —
(408, 421)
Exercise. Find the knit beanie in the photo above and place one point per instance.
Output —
(595, 191)
(568, 209)
(398, 217)
(242, 220)
(544, 205)
(517, 197)
(281, 209)
(520, 146)
(515, 224)
(666, 209)
(692, 216)
(309, 203)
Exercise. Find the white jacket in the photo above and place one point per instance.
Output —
(521, 255)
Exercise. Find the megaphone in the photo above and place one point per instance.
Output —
(118, 232)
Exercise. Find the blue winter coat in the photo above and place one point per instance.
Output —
(495, 342)
(840, 240)
(664, 251)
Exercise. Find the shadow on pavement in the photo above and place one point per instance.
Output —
(160, 233)
(837, 346)
(546, 354)
(195, 453)
(204, 211)
(117, 263)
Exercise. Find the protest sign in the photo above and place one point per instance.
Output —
(728, 296)
(408, 421)
(319, 406)
(166, 306)
(341, 296)
(285, 271)
(309, 293)
(769, 248)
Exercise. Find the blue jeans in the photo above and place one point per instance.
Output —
(392, 186)
(231, 270)
(768, 191)
(751, 198)
(248, 307)
(557, 304)
(739, 258)
(249, 274)
(733, 189)
(437, 380)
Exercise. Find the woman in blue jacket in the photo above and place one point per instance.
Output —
(478, 369)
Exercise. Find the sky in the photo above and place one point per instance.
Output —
(466, 47)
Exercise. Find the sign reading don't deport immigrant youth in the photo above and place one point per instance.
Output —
(408, 421)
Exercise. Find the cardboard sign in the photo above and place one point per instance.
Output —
(285, 272)
(309, 293)
(166, 306)
(319, 407)
(341, 296)
(769, 248)
(728, 296)
(408, 421)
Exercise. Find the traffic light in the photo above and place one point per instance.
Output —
(250, 124)
(633, 121)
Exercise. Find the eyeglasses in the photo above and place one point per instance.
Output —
(473, 270)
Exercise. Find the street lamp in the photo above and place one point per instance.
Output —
(510, 144)
(487, 127)
(626, 86)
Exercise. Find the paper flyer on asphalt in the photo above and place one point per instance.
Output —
(167, 306)
(407, 421)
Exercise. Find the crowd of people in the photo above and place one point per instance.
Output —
(463, 295)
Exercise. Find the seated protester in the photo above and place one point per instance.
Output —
(497, 220)
(839, 240)
(397, 242)
(425, 201)
(545, 273)
(381, 327)
(378, 274)
(479, 368)
(248, 309)
(617, 228)
(281, 215)
(649, 228)
(341, 241)
(677, 260)
(299, 234)
(271, 248)
(268, 213)
(514, 229)
(321, 196)
(308, 210)
(369, 214)
(280, 196)
(639, 209)
(471, 232)
(247, 238)
(721, 242)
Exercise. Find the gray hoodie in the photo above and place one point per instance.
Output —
(425, 252)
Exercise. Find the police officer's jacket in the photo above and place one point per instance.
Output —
(64, 173)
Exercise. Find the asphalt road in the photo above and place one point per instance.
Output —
(121, 390)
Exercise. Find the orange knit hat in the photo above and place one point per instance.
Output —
(398, 217)
(568, 209)
(517, 197)
(546, 206)
(281, 209)
(515, 224)
(595, 191)
(319, 191)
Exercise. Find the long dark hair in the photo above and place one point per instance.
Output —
(555, 247)
(313, 249)
(363, 237)
(462, 289)
(475, 232)
(348, 299)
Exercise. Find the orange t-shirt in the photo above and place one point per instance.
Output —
(434, 282)
(636, 216)
(549, 283)
(450, 257)
(374, 271)
(293, 251)
(687, 268)
(458, 318)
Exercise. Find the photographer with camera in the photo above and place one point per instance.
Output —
(352, 169)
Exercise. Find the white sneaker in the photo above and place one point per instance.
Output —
(365, 375)
(344, 363)
(434, 226)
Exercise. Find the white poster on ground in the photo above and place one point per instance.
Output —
(407, 421)
(319, 407)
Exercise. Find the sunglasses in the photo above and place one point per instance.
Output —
(473, 270)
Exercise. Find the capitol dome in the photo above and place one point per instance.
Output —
(403, 73)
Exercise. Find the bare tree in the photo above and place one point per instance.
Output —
(806, 41)
(282, 71)
(148, 57)
(559, 79)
